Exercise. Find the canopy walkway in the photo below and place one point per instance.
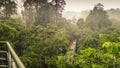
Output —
(8, 57)
(73, 46)
(72, 49)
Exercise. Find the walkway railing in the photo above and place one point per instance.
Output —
(12, 58)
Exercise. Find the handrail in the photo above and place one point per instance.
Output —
(14, 55)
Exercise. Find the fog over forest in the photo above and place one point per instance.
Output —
(59, 33)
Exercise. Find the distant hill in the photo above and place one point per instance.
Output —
(112, 13)
(77, 15)
(71, 14)
(84, 14)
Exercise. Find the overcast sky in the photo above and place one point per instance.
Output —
(79, 5)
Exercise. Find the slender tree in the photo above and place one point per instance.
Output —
(45, 12)
(98, 18)
(9, 7)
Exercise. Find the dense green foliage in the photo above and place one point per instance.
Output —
(46, 42)
(38, 46)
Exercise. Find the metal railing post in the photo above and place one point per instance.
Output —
(13, 59)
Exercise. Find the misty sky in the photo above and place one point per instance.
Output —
(79, 5)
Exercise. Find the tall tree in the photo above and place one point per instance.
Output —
(80, 23)
(59, 5)
(45, 12)
(8, 7)
(98, 18)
